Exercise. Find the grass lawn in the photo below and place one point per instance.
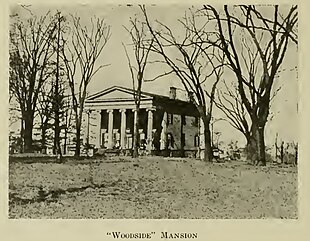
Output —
(151, 187)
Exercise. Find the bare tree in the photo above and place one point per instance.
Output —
(267, 39)
(141, 45)
(31, 49)
(45, 111)
(80, 54)
(196, 63)
(229, 102)
(58, 94)
(68, 115)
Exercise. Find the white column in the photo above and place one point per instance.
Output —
(149, 129)
(135, 113)
(123, 128)
(110, 129)
(201, 131)
(163, 136)
(134, 120)
(201, 138)
(87, 125)
(99, 127)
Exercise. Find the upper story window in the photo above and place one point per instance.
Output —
(195, 122)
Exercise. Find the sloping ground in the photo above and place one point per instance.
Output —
(151, 187)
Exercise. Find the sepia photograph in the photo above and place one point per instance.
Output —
(128, 111)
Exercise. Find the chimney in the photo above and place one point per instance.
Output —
(173, 93)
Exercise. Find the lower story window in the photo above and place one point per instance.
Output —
(196, 140)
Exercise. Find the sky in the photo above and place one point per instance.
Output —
(285, 121)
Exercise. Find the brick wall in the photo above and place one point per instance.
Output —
(190, 130)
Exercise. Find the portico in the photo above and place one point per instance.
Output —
(116, 127)
(112, 114)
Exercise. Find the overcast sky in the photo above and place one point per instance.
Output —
(285, 121)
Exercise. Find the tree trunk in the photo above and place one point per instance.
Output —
(68, 122)
(296, 154)
(251, 149)
(43, 136)
(28, 120)
(261, 146)
(57, 148)
(59, 152)
(208, 153)
(56, 134)
(136, 138)
(256, 144)
(282, 152)
(57, 101)
(78, 137)
(22, 131)
(208, 156)
(65, 141)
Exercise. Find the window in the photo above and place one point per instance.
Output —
(195, 122)
(170, 141)
(196, 141)
(169, 119)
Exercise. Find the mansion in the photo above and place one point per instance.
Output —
(166, 123)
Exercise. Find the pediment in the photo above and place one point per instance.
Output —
(115, 93)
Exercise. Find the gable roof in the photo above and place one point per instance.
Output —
(117, 93)
(121, 93)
